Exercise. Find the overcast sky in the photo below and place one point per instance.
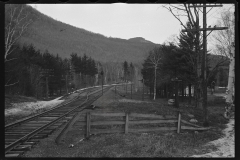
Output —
(150, 21)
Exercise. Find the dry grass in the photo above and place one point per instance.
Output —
(142, 145)
(151, 144)
(17, 99)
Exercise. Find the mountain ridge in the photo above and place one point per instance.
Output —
(139, 39)
(60, 38)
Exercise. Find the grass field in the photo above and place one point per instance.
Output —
(150, 144)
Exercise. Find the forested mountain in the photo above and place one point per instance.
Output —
(63, 39)
(140, 39)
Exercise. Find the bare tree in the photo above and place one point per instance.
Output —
(230, 93)
(155, 57)
(224, 40)
(16, 23)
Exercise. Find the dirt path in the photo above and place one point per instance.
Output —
(225, 145)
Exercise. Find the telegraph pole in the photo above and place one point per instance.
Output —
(203, 67)
(203, 72)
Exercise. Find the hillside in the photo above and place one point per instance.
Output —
(139, 39)
(63, 39)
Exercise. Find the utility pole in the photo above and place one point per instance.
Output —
(203, 67)
(203, 71)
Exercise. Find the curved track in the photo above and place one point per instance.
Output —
(22, 135)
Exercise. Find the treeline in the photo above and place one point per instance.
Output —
(32, 73)
(171, 61)
(83, 71)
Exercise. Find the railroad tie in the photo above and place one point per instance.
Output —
(22, 148)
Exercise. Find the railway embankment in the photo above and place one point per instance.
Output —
(22, 107)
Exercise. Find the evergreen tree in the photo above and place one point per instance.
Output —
(131, 71)
(190, 48)
(84, 64)
(191, 57)
(126, 70)
(148, 74)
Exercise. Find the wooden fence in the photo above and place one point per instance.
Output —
(129, 119)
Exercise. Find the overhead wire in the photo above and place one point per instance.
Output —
(214, 15)
(209, 10)
(214, 12)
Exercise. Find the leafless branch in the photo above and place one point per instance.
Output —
(15, 28)
(168, 8)
(7, 85)
(7, 60)
(177, 7)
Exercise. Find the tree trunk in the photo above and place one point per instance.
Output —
(189, 94)
(155, 82)
(176, 95)
(165, 90)
(182, 92)
(197, 95)
(231, 83)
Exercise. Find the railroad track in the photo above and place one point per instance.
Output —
(22, 135)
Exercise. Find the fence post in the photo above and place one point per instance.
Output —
(126, 124)
(88, 124)
(179, 123)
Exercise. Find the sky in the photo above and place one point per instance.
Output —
(150, 21)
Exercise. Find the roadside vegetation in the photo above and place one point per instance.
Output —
(155, 144)
(149, 144)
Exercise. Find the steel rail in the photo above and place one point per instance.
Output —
(26, 137)
(31, 134)
(72, 120)
(37, 115)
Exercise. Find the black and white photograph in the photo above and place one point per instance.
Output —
(119, 80)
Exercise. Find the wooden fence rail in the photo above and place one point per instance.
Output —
(154, 119)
